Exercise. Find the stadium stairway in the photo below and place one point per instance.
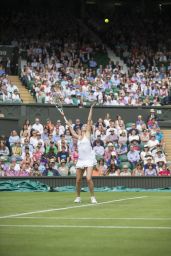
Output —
(116, 59)
(110, 53)
(167, 141)
(24, 93)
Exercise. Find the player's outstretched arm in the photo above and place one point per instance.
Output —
(70, 127)
(89, 121)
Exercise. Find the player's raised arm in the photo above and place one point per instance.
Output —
(89, 121)
(70, 127)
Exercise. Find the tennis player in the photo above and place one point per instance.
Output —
(86, 156)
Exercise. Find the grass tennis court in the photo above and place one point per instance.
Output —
(126, 223)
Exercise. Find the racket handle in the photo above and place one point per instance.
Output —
(65, 119)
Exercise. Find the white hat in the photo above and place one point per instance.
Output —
(110, 144)
(111, 130)
(149, 158)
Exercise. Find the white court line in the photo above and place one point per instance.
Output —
(88, 218)
(95, 227)
(72, 207)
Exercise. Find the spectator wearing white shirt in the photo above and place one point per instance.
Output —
(15, 96)
(152, 143)
(34, 139)
(159, 157)
(98, 149)
(60, 127)
(37, 126)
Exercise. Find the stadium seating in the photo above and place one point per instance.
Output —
(36, 151)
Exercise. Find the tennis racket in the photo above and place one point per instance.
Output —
(58, 104)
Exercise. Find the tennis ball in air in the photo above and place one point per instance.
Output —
(106, 20)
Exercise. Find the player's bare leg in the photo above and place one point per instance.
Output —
(89, 171)
(79, 176)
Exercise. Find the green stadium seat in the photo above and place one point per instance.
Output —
(123, 158)
(125, 163)
(128, 125)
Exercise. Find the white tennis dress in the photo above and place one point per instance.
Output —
(86, 155)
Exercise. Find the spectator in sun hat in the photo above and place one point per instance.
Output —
(152, 115)
(159, 157)
(152, 143)
(113, 137)
(108, 151)
(145, 152)
(125, 171)
(63, 169)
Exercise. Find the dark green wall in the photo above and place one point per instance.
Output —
(129, 114)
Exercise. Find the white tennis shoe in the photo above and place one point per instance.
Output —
(93, 200)
(77, 200)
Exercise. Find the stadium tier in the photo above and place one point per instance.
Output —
(121, 149)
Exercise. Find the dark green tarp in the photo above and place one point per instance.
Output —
(107, 189)
(36, 186)
(23, 186)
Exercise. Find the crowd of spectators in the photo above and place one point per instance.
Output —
(121, 149)
(143, 42)
(61, 60)
(8, 91)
